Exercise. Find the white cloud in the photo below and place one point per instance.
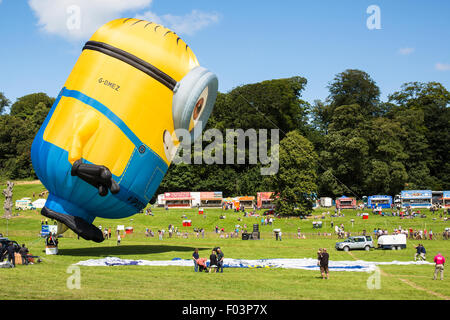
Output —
(406, 51)
(79, 19)
(442, 66)
(187, 24)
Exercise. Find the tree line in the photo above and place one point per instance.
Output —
(351, 143)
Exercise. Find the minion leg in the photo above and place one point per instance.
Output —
(97, 176)
(78, 225)
(74, 217)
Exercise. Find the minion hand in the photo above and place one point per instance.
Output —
(98, 176)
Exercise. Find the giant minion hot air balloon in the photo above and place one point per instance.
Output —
(106, 143)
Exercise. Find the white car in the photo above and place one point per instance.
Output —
(358, 242)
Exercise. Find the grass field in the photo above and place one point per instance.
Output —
(48, 280)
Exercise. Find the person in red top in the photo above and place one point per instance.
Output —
(439, 260)
(201, 262)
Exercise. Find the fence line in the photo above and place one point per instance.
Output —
(285, 235)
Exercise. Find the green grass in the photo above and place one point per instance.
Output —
(48, 279)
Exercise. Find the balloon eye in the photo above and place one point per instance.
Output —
(198, 108)
(169, 146)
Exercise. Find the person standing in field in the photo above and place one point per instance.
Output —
(11, 251)
(439, 260)
(319, 253)
(195, 257)
(213, 261)
(323, 258)
(220, 257)
(24, 254)
(118, 239)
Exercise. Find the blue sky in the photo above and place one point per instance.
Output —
(241, 41)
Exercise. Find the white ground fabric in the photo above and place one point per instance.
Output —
(6, 264)
(306, 263)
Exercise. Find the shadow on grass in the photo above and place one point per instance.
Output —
(124, 250)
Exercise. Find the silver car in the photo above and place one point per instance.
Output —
(355, 243)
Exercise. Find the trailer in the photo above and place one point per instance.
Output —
(379, 201)
(264, 200)
(392, 242)
(345, 203)
(326, 202)
(416, 198)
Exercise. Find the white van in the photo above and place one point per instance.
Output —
(392, 242)
(326, 202)
(24, 204)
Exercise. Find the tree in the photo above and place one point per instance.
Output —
(355, 87)
(3, 103)
(27, 105)
(321, 116)
(17, 131)
(295, 183)
(269, 104)
(344, 119)
(8, 204)
(16, 137)
(345, 155)
(385, 172)
(429, 135)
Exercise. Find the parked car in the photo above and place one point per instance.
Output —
(5, 242)
(355, 243)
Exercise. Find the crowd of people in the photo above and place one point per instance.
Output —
(9, 250)
(106, 232)
(413, 234)
(216, 261)
(439, 260)
(410, 213)
(174, 231)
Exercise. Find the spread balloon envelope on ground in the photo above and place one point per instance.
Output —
(109, 139)
(305, 263)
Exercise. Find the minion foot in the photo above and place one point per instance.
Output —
(84, 229)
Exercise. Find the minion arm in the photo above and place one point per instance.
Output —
(97, 176)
